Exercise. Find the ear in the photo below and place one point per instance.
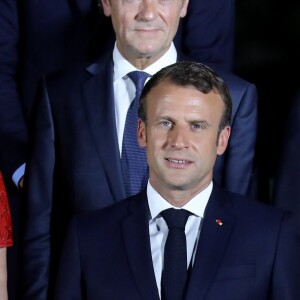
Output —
(106, 7)
(223, 140)
(184, 8)
(141, 134)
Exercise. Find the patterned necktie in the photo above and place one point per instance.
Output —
(133, 159)
(174, 274)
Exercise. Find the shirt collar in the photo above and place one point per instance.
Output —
(122, 67)
(196, 205)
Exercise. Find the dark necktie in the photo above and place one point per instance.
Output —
(174, 274)
(133, 158)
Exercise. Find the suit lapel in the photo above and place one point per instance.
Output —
(214, 236)
(137, 244)
(98, 100)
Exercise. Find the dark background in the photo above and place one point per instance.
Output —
(267, 53)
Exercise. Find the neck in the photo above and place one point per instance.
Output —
(142, 62)
(179, 197)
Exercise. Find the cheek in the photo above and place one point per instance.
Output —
(172, 18)
(121, 21)
(156, 143)
(202, 144)
(170, 24)
(160, 139)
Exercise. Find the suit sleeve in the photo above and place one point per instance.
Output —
(13, 127)
(208, 31)
(68, 283)
(286, 271)
(38, 196)
(240, 154)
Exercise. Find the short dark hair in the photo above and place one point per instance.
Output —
(193, 74)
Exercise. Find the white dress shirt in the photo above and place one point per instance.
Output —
(158, 228)
(124, 88)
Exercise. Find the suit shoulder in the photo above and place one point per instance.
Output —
(254, 210)
(105, 215)
(111, 216)
(241, 206)
(77, 74)
(232, 79)
(71, 72)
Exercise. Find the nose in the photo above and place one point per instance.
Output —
(179, 138)
(147, 10)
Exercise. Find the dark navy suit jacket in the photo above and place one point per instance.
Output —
(36, 38)
(253, 255)
(40, 37)
(75, 160)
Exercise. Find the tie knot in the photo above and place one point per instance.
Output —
(138, 78)
(175, 218)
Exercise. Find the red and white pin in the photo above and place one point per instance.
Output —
(219, 222)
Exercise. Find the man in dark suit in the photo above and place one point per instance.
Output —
(77, 136)
(36, 37)
(236, 248)
(39, 37)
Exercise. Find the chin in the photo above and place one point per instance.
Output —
(146, 53)
(178, 186)
(148, 48)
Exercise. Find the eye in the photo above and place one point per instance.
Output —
(199, 125)
(166, 124)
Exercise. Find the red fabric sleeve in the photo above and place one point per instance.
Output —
(6, 238)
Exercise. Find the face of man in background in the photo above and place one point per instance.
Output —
(182, 137)
(144, 28)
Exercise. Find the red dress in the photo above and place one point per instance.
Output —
(5, 218)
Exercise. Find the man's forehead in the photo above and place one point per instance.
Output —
(169, 96)
(167, 86)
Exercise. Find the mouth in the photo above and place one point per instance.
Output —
(147, 30)
(178, 163)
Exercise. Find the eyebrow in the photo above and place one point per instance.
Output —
(193, 121)
(203, 122)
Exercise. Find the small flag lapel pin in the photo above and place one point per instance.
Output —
(219, 222)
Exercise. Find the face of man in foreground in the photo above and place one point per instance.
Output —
(182, 138)
(144, 28)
